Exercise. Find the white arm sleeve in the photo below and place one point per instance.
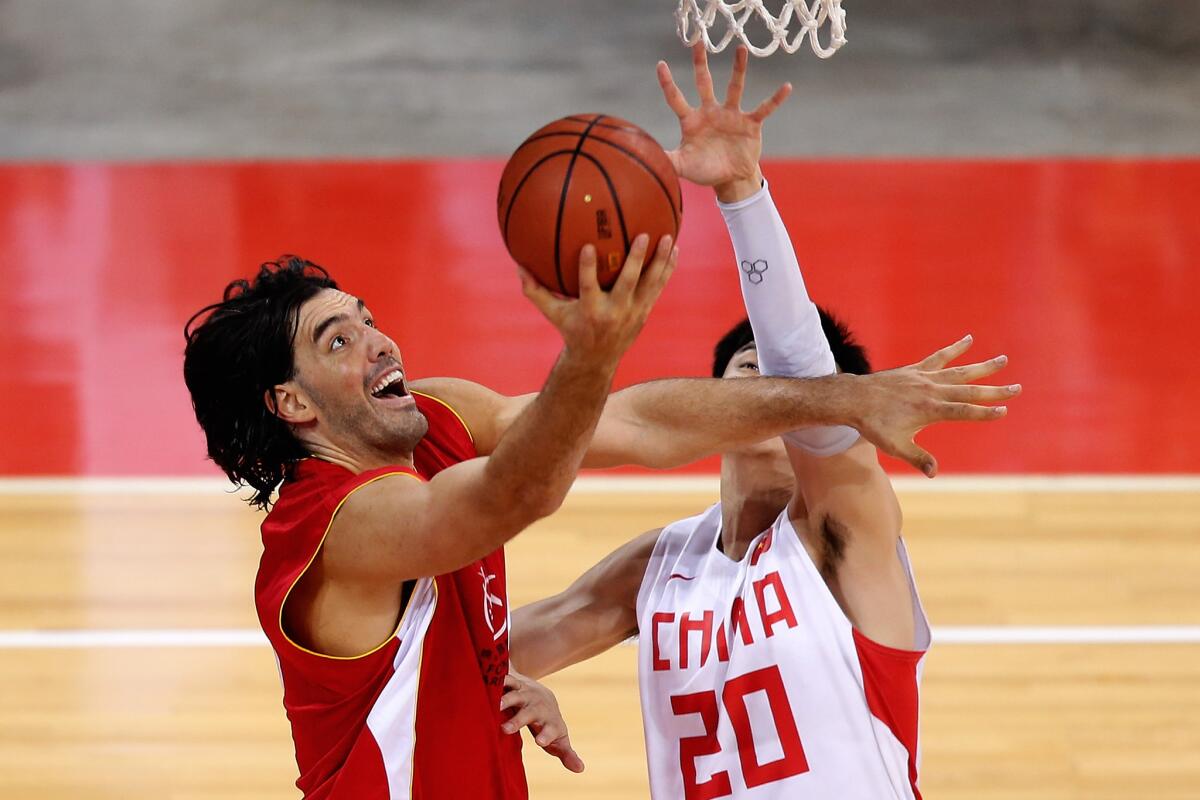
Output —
(787, 326)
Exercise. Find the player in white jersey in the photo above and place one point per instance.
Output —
(780, 634)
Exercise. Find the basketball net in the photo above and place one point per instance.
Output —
(696, 20)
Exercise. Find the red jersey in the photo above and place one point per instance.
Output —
(418, 716)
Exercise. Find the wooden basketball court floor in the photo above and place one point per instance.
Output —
(130, 666)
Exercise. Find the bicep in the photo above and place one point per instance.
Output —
(596, 612)
(400, 527)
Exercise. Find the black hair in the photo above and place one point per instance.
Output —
(234, 356)
(850, 355)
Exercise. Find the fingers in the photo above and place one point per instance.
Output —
(512, 698)
(525, 715)
(655, 279)
(566, 754)
(539, 295)
(947, 354)
(674, 97)
(737, 79)
(970, 372)
(979, 394)
(589, 283)
(918, 457)
(767, 107)
(631, 273)
(965, 412)
(704, 84)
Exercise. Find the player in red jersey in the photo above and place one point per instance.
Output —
(382, 585)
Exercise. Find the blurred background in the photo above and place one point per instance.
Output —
(1024, 171)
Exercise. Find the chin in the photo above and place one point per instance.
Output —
(413, 431)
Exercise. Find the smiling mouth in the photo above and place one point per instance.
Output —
(390, 386)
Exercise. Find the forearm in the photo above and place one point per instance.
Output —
(537, 458)
(546, 638)
(786, 323)
(683, 419)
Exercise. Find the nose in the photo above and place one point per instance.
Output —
(381, 346)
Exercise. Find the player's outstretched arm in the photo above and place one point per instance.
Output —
(668, 423)
(594, 613)
(673, 422)
(398, 528)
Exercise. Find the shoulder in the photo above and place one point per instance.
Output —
(479, 408)
(629, 560)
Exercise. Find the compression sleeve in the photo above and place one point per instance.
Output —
(787, 326)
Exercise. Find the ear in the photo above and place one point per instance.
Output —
(287, 402)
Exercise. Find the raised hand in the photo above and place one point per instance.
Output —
(898, 403)
(534, 706)
(602, 324)
(719, 143)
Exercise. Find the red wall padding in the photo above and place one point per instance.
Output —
(1085, 272)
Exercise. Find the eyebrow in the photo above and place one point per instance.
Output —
(743, 348)
(336, 318)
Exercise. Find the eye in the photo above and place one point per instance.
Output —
(370, 323)
(337, 342)
(750, 365)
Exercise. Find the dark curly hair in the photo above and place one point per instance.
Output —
(235, 355)
(849, 355)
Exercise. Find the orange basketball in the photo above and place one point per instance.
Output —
(587, 178)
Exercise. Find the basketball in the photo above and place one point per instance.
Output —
(586, 178)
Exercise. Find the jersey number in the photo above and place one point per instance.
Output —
(733, 697)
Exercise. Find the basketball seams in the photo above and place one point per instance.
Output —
(612, 191)
(627, 128)
(632, 155)
(512, 200)
(562, 201)
(641, 163)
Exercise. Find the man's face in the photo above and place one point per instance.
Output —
(351, 377)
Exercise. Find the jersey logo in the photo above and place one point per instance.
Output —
(681, 577)
(493, 607)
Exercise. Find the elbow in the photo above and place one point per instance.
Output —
(523, 505)
(543, 502)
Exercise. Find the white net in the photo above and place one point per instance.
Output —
(719, 22)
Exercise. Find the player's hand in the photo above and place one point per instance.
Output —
(536, 708)
(719, 143)
(898, 403)
(602, 325)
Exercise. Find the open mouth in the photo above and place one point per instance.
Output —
(390, 386)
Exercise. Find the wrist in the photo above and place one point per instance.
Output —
(596, 361)
(739, 188)
(839, 399)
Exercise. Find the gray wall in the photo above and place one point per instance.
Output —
(138, 79)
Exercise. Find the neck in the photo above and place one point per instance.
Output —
(755, 487)
(357, 461)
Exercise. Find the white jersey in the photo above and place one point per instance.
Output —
(755, 684)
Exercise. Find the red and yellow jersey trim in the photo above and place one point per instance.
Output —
(449, 408)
